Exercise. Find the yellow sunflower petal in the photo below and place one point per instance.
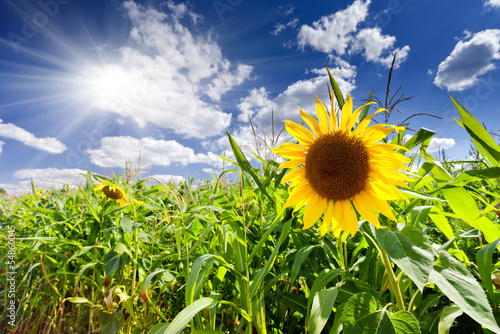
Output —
(311, 121)
(379, 205)
(294, 174)
(355, 115)
(350, 218)
(299, 132)
(365, 122)
(292, 163)
(314, 210)
(365, 210)
(327, 219)
(302, 192)
(384, 191)
(333, 114)
(346, 112)
(324, 125)
(290, 151)
(337, 219)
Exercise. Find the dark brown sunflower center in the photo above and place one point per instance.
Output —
(337, 165)
(113, 194)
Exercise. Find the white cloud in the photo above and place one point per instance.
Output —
(435, 145)
(378, 48)
(167, 178)
(46, 178)
(114, 151)
(468, 60)
(492, 3)
(47, 144)
(438, 144)
(335, 31)
(337, 34)
(261, 107)
(300, 93)
(280, 27)
(1, 144)
(170, 77)
(429, 72)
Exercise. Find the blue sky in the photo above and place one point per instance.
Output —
(92, 84)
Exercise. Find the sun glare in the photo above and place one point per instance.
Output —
(106, 85)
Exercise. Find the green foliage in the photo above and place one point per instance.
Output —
(225, 257)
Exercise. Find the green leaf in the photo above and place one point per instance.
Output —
(484, 263)
(404, 322)
(246, 167)
(111, 323)
(300, 257)
(148, 279)
(410, 250)
(423, 136)
(336, 90)
(441, 222)
(259, 276)
(366, 109)
(362, 316)
(84, 268)
(78, 300)
(461, 287)
(325, 277)
(185, 316)
(448, 316)
(128, 225)
(419, 215)
(158, 329)
(294, 301)
(480, 137)
(463, 204)
(114, 261)
(195, 279)
(359, 306)
(321, 309)
(486, 173)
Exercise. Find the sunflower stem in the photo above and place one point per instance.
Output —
(392, 279)
(393, 282)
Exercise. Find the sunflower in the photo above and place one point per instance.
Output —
(112, 191)
(341, 168)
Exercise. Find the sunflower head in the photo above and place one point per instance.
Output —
(340, 167)
(114, 192)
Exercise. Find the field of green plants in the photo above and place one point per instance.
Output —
(118, 255)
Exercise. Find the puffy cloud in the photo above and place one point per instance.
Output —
(170, 77)
(438, 144)
(492, 3)
(47, 144)
(335, 31)
(114, 151)
(300, 93)
(374, 45)
(262, 108)
(167, 178)
(435, 145)
(337, 34)
(468, 60)
(46, 178)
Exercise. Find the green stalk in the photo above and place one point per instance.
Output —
(393, 282)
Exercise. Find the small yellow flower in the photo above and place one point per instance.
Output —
(341, 168)
(112, 191)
